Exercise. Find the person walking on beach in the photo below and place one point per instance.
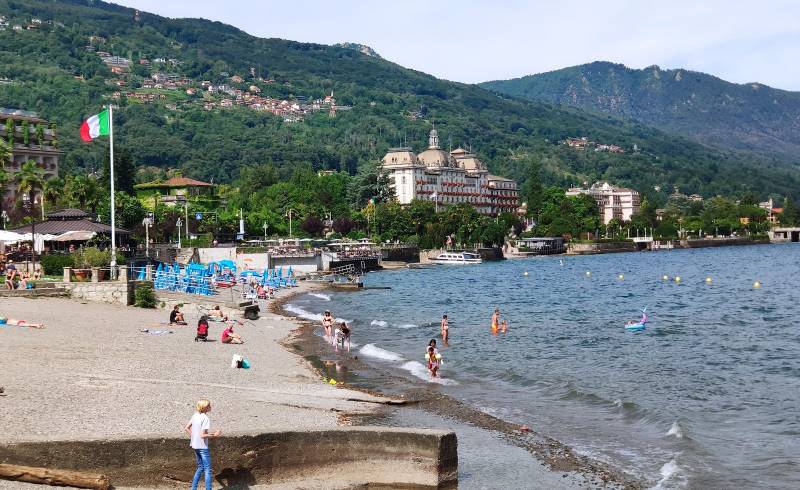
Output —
(327, 324)
(445, 330)
(495, 320)
(198, 429)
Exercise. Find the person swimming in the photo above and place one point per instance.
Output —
(504, 326)
(445, 329)
(495, 320)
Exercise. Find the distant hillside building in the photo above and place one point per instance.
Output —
(43, 152)
(449, 178)
(617, 203)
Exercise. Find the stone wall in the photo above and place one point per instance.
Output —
(578, 248)
(378, 457)
(114, 292)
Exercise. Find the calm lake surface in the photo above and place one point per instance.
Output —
(707, 397)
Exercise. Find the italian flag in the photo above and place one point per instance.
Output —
(95, 126)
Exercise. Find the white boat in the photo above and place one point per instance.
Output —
(457, 258)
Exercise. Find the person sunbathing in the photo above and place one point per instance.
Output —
(217, 315)
(23, 323)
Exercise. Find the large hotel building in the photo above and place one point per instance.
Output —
(449, 178)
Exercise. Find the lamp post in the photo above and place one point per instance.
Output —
(178, 225)
(147, 222)
(29, 207)
(4, 217)
(265, 231)
(290, 222)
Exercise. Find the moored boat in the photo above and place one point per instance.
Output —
(457, 258)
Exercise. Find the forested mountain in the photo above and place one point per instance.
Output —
(751, 117)
(52, 64)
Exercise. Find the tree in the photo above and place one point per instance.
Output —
(312, 225)
(790, 215)
(343, 226)
(52, 191)
(10, 129)
(124, 172)
(254, 178)
(129, 211)
(5, 154)
(83, 190)
(5, 178)
(532, 190)
(30, 179)
(26, 132)
(40, 134)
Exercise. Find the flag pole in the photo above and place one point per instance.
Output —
(113, 201)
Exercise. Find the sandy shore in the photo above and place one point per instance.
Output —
(92, 373)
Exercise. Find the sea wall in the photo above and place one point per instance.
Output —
(114, 292)
(578, 248)
(374, 456)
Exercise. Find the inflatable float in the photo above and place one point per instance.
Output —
(640, 325)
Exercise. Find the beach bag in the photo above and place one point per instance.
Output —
(245, 364)
(236, 361)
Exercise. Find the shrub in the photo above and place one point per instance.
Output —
(144, 296)
(90, 257)
(53, 265)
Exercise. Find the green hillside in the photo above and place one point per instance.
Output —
(751, 117)
(49, 69)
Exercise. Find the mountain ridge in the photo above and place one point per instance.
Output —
(52, 72)
(751, 117)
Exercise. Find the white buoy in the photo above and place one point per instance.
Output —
(677, 278)
(665, 277)
(708, 280)
(756, 285)
(588, 273)
(621, 277)
(525, 273)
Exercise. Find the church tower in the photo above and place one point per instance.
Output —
(433, 139)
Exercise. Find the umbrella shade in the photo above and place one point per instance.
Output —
(10, 236)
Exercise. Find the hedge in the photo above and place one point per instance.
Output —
(53, 265)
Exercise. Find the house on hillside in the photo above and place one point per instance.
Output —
(175, 191)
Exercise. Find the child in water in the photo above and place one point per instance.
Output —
(504, 326)
(433, 361)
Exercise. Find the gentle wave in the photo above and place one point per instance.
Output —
(320, 296)
(407, 326)
(676, 430)
(300, 312)
(418, 370)
(371, 350)
(379, 323)
(670, 473)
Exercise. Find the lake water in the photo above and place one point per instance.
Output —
(707, 397)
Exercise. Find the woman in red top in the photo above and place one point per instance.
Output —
(229, 337)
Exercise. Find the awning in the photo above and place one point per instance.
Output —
(74, 236)
(10, 236)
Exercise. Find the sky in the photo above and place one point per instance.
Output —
(473, 41)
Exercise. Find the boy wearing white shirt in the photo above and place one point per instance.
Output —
(198, 429)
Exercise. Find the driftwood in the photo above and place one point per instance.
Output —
(47, 476)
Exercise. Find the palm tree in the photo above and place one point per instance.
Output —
(52, 191)
(30, 178)
(83, 189)
(5, 178)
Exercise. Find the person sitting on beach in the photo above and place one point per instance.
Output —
(11, 273)
(37, 274)
(23, 282)
(176, 317)
(433, 359)
(342, 336)
(229, 337)
(217, 315)
(261, 292)
(327, 324)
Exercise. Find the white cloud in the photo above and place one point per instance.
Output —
(472, 41)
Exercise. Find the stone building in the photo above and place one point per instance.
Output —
(39, 146)
(448, 178)
(617, 203)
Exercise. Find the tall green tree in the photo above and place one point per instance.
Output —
(30, 179)
(532, 190)
(790, 216)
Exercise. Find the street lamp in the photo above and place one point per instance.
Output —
(4, 217)
(29, 206)
(265, 231)
(290, 222)
(147, 222)
(178, 225)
